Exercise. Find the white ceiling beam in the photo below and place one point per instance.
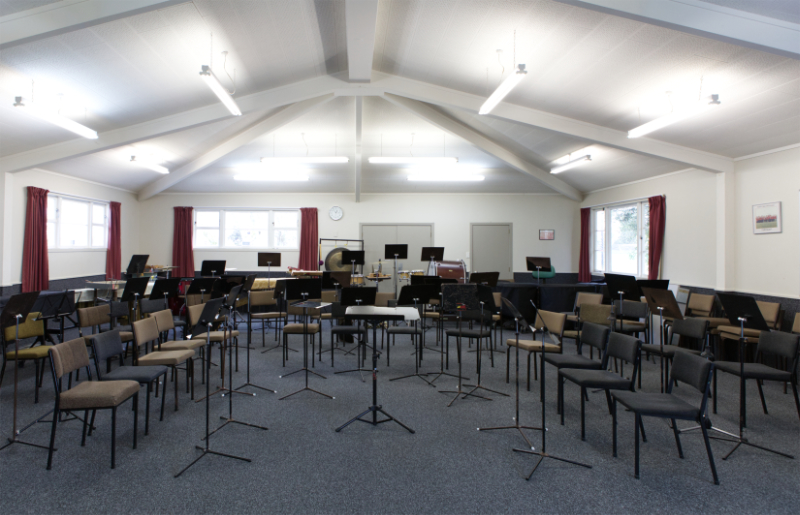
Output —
(361, 18)
(69, 15)
(707, 20)
(357, 162)
(442, 96)
(266, 125)
(456, 128)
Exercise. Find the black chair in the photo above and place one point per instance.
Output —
(484, 330)
(689, 369)
(781, 345)
(694, 328)
(596, 336)
(107, 346)
(338, 311)
(620, 346)
(403, 329)
(634, 319)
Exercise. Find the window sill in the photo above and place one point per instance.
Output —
(84, 249)
(248, 249)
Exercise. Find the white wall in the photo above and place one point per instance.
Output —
(450, 214)
(63, 264)
(768, 263)
(690, 229)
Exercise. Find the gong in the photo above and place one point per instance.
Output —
(333, 261)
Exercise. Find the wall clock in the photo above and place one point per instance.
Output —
(336, 213)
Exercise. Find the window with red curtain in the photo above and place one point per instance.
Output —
(309, 256)
(658, 216)
(35, 264)
(584, 273)
(114, 252)
(182, 250)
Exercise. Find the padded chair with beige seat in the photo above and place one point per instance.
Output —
(194, 312)
(555, 324)
(328, 296)
(165, 324)
(771, 312)
(71, 356)
(583, 298)
(264, 299)
(796, 325)
(146, 331)
(30, 328)
(702, 306)
(94, 318)
(311, 329)
(634, 319)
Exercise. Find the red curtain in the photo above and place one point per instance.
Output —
(658, 215)
(309, 256)
(114, 252)
(35, 265)
(182, 251)
(584, 275)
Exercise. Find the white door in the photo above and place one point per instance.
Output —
(377, 236)
(491, 249)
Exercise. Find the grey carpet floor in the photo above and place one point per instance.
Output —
(301, 465)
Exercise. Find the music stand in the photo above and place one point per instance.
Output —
(486, 278)
(414, 296)
(543, 453)
(134, 289)
(460, 298)
(247, 288)
(354, 257)
(434, 254)
(303, 289)
(268, 259)
(656, 284)
(18, 308)
(201, 286)
(396, 251)
(538, 265)
(53, 305)
(358, 297)
(212, 268)
(137, 264)
(625, 286)
(744, 310)
(662, 301)
(166, 289)
(486, 300)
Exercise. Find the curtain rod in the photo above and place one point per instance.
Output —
(79, 197)
(627, 201)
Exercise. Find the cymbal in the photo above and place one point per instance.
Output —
(333, 261)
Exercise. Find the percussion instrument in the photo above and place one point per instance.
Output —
(451, 270)
(357, 279)
(403, 275)
(333, 261)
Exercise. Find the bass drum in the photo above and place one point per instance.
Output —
(333, 261)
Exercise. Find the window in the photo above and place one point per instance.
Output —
(621, 238)
(75, 223)
(247, 229)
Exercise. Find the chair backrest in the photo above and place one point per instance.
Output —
(261, 298)
(596, 314)
(585, 297)
(193, 313)
(622, 346)
(27, 329)
(145, 330)
(700, 305)
(164, 320)
(118, 309)
(781, 344)
(106, 345)
(633, 309)
(692, 370)
(96, 315)
(148, 306)
(690, 327)
(594, 335)
(382, 299)
(69, 356)
(194, 298)
(555, 322)
(770, 311)
(796, 325)
(329, 296)
(498, 300)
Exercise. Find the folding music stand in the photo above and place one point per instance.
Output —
(354, 257)
(415, 296)
(212, 268)
(165, 289)
(268, 259)
(358, 297)
(397, 251)
(625, 286)
(247, 288)
(54, 305)
(538, 265)
(137, 264)
(663, 302)
(134, 290)
(201, 286)
(486, 278)
(18, 308)
(225, 284)
(656, 284)
(486, 300)
(460, 298)
(434, 254)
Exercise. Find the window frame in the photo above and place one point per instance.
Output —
(271, 228)
(90, 224)
(642, 258)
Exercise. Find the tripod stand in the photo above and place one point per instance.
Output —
(479, 359)
(543, 453)
(419, 336)
(206, 450)
(249, 335)
(460, 298)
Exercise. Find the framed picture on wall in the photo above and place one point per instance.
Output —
(767, 218)
(547, 234)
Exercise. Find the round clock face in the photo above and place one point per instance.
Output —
(336, 213)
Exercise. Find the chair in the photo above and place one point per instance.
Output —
(599, 314)
(781, 345)
(68, 357)
(689, 369)
(583, 298)
(484, 330)
(30, 328)
(694, 328)
(702, 306)
(328, 296)
(165, 323)
(262, 299)
(594, 335)
(555, 323)
(146, 331)
(108, 345)
(497, 317)
(630, 321)
(311, 329)
(769, 310)
(796, 324)
(93, 318)
(338, 311)
(193, 314)
(620, 346)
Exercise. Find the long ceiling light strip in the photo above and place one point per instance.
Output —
(305, 160)
(413, 160)
(445, 177)
(55, 119)
(571, 164)
(503, 89)
(270, 177)
(149, 165)
(675, 116)
(211, 80)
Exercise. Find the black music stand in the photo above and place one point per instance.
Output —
(543, 453)
(486, 300)
(212, 268)
(354, 257)
(165, 289)
(268, 259)
(396, 251)
(625, 286)
(134, 290)
(460, 298)
(17, 309)
(415, 296)
(205, 321)
(210, 312)
(279, 294)
(663, 302)
(201, 286)
(137, 264)
(538, 265)
(303, 289)
(433, 254)
(486, 278)
(743, 311)
(655, 284)
(377, 316)
(54, 305)
(358, 297)
(247, 288)
(520, 326)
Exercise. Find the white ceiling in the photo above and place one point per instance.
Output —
(588, 66)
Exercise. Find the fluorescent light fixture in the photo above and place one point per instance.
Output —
(305, 160)
(571, 164)
(431, 176)
(270, 177)
(410, 160)
(149, 165)
(211, 80)
(676, 116)
(503, 89)
(56, 119)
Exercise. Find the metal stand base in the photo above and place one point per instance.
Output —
(374, 410)
(205, 453)
(542, 455)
